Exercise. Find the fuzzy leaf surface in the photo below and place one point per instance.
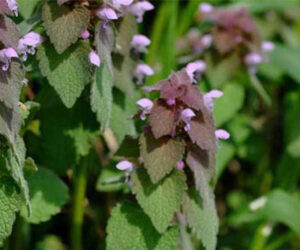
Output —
(160, 156)
(64, 27)
(159, 201)
(69, 72)
(47, 194)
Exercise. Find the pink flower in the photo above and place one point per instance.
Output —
(206, 41)
(186, 116)
(253, 59)
(205, 8)
(267, 46)
(107, 14)
(85, 34)
(180, 165)
(222, 134)
(94, 58)
(28, 43)
(141, 71)
(145, 105)
(5, 57)
(139, 8)
(13, 6)
(208, 98)
(171, 101)
(139, 43)
(125, 166)
(193, 69)
(118, 4)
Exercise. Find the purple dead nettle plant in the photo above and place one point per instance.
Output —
(182, 114)
(112, 10)
(233, 32)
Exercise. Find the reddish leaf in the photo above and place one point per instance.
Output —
(202, 130)
(9, 34)
(162, 119)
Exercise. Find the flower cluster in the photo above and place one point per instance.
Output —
(233, 30)
(27, 44)
(183, 113)
(112, 10)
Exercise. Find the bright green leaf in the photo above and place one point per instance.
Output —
(159, 201)
(69, 72)
(64, 27)
(47, 194)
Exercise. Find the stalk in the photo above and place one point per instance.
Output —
(80, 182)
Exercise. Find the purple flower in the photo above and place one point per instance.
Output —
(94, 58)
(13, 6)
(208, 98)
(186, 116)
(141, 71)
(206, 41)
(145, 105)
(28, 43)
(253, 59)
(125, 166)
(171, 101)
(180, 165)
(118, 4)
(267, 46)
(85, 34)
(194, 69)
(222, 134)
(139, 8)
(5, 57)
(107, 14)
(205, 8)
(139, 43)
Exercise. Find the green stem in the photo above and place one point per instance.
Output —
(16, 239)
(80, 183)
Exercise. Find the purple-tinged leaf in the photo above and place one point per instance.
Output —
(9, 34)
(160, 155)
(202, 130)
(162, 119)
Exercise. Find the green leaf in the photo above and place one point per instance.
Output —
(27, 7)
(286, 59)
(101, 95)
(51, 242)
(160, 155)
(11, 84)
(123, 67)
(294, 147)
(104, 39)
(169, 239)
(159, 201)
(66, 134)
(69, 72)
(10, 202)
(224, 154)
(133, 230)
(229, 104)
(47, 194)
(202, 220)
(283, 207)
(126, 30)
(10, 122)
(121, 122)
(110, 179)
(64, 27)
